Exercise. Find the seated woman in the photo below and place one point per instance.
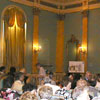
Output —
(83, 91)
(19, 82)
(27, 77)
(28, 96)
(6, 92)
(45, 92)
(81, 86)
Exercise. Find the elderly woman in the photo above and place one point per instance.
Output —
(45, 92)
(81, 85)
(28, 96)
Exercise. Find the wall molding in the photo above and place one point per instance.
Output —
(58, 10)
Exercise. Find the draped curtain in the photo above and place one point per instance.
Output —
(14, 33)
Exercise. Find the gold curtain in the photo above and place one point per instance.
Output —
(9, 17)
(14, 38)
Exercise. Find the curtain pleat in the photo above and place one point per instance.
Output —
(20, 19)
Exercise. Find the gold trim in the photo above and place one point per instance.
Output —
(59, 11)
(84, 37)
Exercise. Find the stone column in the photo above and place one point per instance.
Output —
(36, 12)
(60, 43)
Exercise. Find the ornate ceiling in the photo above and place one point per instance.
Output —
(61, 6)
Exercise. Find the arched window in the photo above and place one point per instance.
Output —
(14, 30)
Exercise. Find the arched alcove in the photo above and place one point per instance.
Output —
(14, 34)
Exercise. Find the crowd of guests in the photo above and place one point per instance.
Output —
(19, 85)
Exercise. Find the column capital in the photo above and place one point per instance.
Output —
(85, 13)
(85, 6)
(36, 11)
(61, 16)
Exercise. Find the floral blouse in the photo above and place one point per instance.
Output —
(65, 94)
(8, 94)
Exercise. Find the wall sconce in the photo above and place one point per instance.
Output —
(36, 48)
(82, 50)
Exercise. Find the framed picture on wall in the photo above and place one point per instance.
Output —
(76, 67)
